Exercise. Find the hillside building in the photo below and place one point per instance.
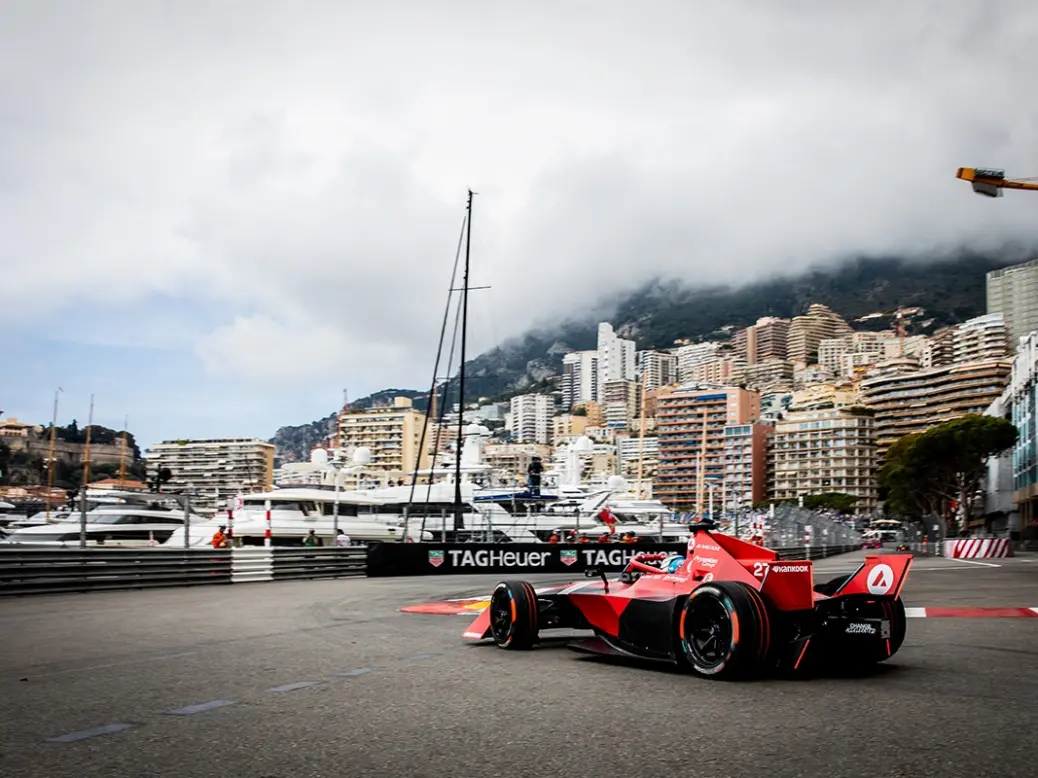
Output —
(579, 378)
(808, 331)
(907, 399)
(214, 470)
(1013, 292)
(819, 451)
(616, 361)
(978, 339)
(767, 339)
(745, 464)
(656, 368)
(392, 433)
(690, 423)
(531, 417)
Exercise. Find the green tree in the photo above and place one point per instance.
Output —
(932, 472)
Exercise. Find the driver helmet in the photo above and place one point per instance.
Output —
(672, 563)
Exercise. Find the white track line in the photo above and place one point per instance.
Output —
(915, 613)
(972, 562)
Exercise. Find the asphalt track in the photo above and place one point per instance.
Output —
(329, 678)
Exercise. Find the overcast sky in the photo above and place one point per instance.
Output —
(217, 215)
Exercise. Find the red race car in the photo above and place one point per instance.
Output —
(727, 609)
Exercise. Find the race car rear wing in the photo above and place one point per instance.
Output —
(879, 576)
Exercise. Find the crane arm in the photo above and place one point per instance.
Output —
(991, 182)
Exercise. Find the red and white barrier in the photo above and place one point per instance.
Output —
(978, 548)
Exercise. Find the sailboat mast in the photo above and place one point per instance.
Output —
(458, 508)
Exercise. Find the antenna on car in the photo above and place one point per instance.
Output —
(591, 572)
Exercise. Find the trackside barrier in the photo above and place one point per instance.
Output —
(978, 548)
(43, 571)
(46, 571)
(54, 571)
(407, 559)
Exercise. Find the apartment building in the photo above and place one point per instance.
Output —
(767, 339)
(593, 411)
(531, 418)
(1013, 292)
(579, 378)
(656, 368)
(826, 395)
(745, 464)
(808, 331)
(768, 375)
(513, 459)
(392, 433)
(567, 426)
(632, 449)
(615, 358)
(1023, 397)
(832, 450)
(728, 370)
(908, 400)
(621, 400)
(833, 353)
(694, 354)
(690, 423)
(981, 338)
(214, 470)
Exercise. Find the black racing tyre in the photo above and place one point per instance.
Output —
(724, 630)
(514, 615)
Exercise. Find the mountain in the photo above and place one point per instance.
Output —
(949, 289)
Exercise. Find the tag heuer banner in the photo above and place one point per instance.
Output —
(391, 559)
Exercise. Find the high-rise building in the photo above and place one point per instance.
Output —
(392, 433)
(621, 403)
(531, 418)
(615, 358)
(764, 340)
(728, 370)
(1013, 292)
(567, 426)
(769, 375)
(694, 354)
(630, 449)
(1023, 397)
(831, 450)
(908, 400)
(745, 464)
(977, 339)
(833, 352)
(656, 368)
(690, 424)
(808, 331)
(214, 470)
(579, 378)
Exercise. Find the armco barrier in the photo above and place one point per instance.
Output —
(53, 571)
(44, 571)
(407, 559)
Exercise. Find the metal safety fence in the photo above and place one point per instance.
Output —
(44, 571)
(54, 571)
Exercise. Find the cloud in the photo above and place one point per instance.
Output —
(299, 172)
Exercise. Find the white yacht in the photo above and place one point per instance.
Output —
(127, 525)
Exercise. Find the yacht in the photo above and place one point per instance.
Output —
(133, 524)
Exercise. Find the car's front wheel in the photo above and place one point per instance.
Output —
(514, 617)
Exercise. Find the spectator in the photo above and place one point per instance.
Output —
(342, 540)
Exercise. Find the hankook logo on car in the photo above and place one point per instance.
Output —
(789, 568)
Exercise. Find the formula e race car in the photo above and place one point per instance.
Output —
(727, 609)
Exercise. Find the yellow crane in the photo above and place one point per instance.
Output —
(990, 183)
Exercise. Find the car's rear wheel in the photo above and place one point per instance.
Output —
(724, 630)
(514, 618)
